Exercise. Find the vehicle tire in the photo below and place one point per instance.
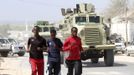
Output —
(127, 54)
(115, 52)
(94, 60)
(109, 57)
(21, 54)
(123, 52)
(5, 54)
(10, 53)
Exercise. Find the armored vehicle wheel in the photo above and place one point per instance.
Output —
(94, 60)
(5, 54)
(109, 57)
(128, 54)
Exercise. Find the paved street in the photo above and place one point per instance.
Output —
(87, 29)
(124, 65)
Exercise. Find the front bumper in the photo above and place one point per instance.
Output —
(5, 50)
(119, 49)
(18, 50)
(98, 47)
(130, 51)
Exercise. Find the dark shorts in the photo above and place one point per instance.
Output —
(74, 64)
(54, 68)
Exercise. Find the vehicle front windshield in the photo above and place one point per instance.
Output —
(52, 28)
(94, 19)
(45, 29)
(3, 41)
(80, 20)
(12, 41)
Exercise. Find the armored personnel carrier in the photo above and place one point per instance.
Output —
(93, 32)
(45, 28)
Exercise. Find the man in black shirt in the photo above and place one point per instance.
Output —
(36, 46)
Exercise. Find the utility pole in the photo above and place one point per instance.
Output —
(26, 26)
(126, 20)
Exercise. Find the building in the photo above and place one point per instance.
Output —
(124, 26)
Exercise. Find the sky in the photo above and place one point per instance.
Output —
(33, 10)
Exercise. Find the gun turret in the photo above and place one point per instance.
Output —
(85, 8)
(80, 8)
(42, 23)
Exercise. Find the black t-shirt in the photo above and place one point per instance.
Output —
(34, 43)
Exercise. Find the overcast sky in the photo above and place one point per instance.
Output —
(32, 10)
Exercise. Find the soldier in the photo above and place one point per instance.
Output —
(54, 47)
(36, 46)
(74, 47)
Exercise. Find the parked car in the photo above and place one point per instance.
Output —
(119, 47)
(129, 49)
(5, 47)
(17, 48)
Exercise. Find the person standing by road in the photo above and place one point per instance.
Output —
(36, 46)
(73, 45)
(54, 47)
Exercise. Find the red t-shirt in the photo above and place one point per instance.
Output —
(74, 46)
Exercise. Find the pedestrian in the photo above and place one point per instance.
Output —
(74, 47)
(36, 46)
(54, 47)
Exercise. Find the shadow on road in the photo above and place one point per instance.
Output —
(3, 69)
(13, 57)
(100, 64)
(4, 74)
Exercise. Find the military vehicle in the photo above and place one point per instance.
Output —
(45, 28)
(93, 32)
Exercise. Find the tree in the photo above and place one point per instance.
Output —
(115, 8)
(4, 29)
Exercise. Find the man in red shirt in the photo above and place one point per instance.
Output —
(74, 47)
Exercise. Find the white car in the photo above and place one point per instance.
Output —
(5, 47)
(16, 48)
(129, 49)
(119, 47)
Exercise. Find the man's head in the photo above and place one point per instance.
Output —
(74, 31)
(53, 33)
(36, 30)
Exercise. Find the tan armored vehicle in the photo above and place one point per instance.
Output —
(92, 31)
(45, 28)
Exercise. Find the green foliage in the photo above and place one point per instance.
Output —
(116, 7)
